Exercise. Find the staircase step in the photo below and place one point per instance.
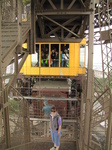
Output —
(10, 39)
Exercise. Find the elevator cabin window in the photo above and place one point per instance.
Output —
(64, 58)
(54, 55)
(44, 55)
(82, 55)
(35, 57)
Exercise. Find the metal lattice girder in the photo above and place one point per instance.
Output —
(102, 19)
(102, 94)
(106, 35)
(52, 18)
(19, 120)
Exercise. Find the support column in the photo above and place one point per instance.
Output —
(26, 123)
(81, 123)
(13, 9)
(0, 54)
(16, 62)
(109, 130)
(19, 21)
(1, 99)
(33, 27)
(6, 118)
(45, 132)
(89, 97)
(47, 129)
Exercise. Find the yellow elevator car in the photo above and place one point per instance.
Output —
(56, 59)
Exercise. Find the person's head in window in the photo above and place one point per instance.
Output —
(53, 51)
(65, 51)
(42, 55)
(46, 49)
(65, 48)
(56, 53)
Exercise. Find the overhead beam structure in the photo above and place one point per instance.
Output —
(62, 20)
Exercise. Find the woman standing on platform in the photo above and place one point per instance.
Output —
(56, 123)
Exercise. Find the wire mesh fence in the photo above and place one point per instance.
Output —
(101, 106)
(26, 146)
(10, 11)
(29, 122)
(16, 131)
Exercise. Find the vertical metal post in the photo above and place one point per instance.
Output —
(91, 108)
(6, 119)
(16, 62)
(47, 128)
(89, 79)
(13, 10)
(0, 71)
(28, 119)
(19, 21)
(32, 26)
(0, 52)
(109, 130)
(81, 124)
(26, 124)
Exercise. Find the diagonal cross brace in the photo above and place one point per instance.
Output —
(62, 26)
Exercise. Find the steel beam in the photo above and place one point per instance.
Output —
(61, 4)
(19, 25)
(4, 111)
(52, 4)
(6, 119)
(83, 26)
(45, 119)
(89, 99)
(71, 4)
(73, 28)
(13, 79)
(64, 24)
(81, 122)
(0, 54)
(61, 26)
(26, 123)
(51, 30)
(62, 33)
(65, 12)
(109, 130)
(41, 25)
(42, 2)
(44, 98)
(32, 26)
(1, 82)
(82, 3)
(68, 40)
